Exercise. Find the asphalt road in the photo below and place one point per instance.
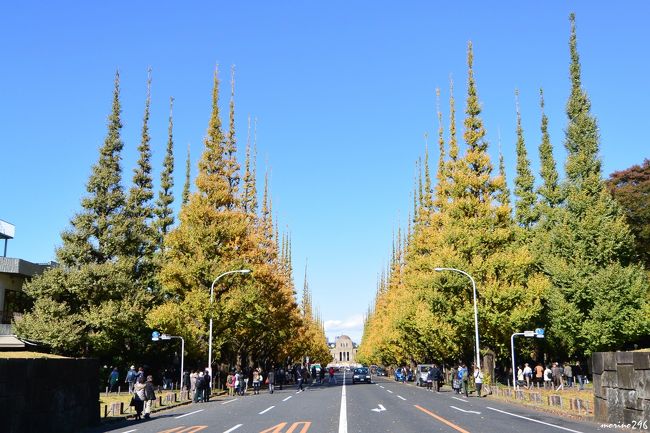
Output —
(384, 406)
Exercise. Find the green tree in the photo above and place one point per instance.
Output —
(526, 212)
(599, 299)
(186, 186)
(549, 191)
(164, 211)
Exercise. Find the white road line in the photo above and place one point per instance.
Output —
(234, 428)
(266, 410)
(287, 398)
(460, 399)
(389, 391)
(343, 416)
(298, 392)
(229, 401)
(187, 414)
(399, 396)
(534, 420)
(129, 431)
(466, 411)
(381, 386)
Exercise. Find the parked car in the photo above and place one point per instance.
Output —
(361, 375)
(380, 372)
(421, 374)
(402, 374)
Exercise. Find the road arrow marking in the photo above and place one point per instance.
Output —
(460, 399)
(381, 409)
(401, 397)
(466, 411)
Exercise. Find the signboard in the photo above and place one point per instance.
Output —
(155, 336)
(539, 332)
(529, 334)
(7, 231)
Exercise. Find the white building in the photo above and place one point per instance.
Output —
(343, 350)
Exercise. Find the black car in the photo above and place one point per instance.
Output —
(361, 375)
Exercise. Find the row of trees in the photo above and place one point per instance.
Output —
(564, 260)
(125, 268)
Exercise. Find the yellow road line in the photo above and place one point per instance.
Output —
(442, 420)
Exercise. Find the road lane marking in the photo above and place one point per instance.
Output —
(233, 428)
(442, 420)
(381, 386)
(461, 399)
(381, 409)
(466, 411)
(533, 420)
(399, 396)
(343, 415)
(129, 431)
(187, 414)
(389, 391)
(266, 410)
(229, 401)
(304, 429)
(298, 392)
(287, 398)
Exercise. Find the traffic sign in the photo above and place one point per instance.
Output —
(155, 336)
(529, 334)
(539, 332)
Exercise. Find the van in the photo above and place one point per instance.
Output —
(422, 370)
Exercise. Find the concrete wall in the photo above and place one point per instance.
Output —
(621, 386)
(48, 395)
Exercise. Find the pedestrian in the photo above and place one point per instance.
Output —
(198, 394)
(557, 375)
(539, 374)
(437, 377)
(256, 381)
(332, 378)
(528, 375)
(520, 377)
(548, 377)
(270, 380)
(186, 380)
(207, 386)
(131, 377)
(299, 376)
(313, 374)
(478, 380)
(230, 383)
(149, 396)
(568, 373)
(455, 381)
(579, 375)
(193, 376)
(321, 375)
(137, 401)
(113, 378)
(239, 383)
(282, 375)
(465, 379)
(140, 374)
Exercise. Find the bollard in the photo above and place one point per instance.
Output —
(119, 389)
(121, 408)
(106, 391)
(105, 410)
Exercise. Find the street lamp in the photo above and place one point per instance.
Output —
(478, 354)
(238, 271)
(537, 333)
(155, 336)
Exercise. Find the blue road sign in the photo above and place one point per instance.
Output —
(155, 335)
(539, 332)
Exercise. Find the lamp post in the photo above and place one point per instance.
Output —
(478, 354)
(155, 336)
(238, 271)
(537, 333)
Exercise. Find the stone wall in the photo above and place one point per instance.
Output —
(48, 394)
(621, 386)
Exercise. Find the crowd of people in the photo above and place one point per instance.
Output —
(553, 376)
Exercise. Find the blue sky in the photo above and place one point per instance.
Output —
(343, 93)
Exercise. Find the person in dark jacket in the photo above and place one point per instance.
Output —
(207, 384)
(437, 377)
(198, 395)
(270, 378)
(149, 396)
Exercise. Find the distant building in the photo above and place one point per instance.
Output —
(13, 302)
(343, 350)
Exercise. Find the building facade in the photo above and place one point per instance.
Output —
(343, 350)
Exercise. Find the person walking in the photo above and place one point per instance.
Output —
(207, 386)
(548, 377)
(230, 383)
(131, 377)
(520, 377)
(193, 376)
(465, 379)
(557, 376)
(437, 377)
(138, 397)
(186, 381)
(239, 383)
(430, 379)
(270, 379)
(455, 381)
(149, 397)
(528, 375)
(568, 373)
(299, 377)
(539, 374)
(321, 375)
(579, 375)
(478, 380)
(198, 393)
(256, 381)
(113, 378)
(332, 378)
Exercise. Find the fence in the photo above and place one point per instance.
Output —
(578, 406)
